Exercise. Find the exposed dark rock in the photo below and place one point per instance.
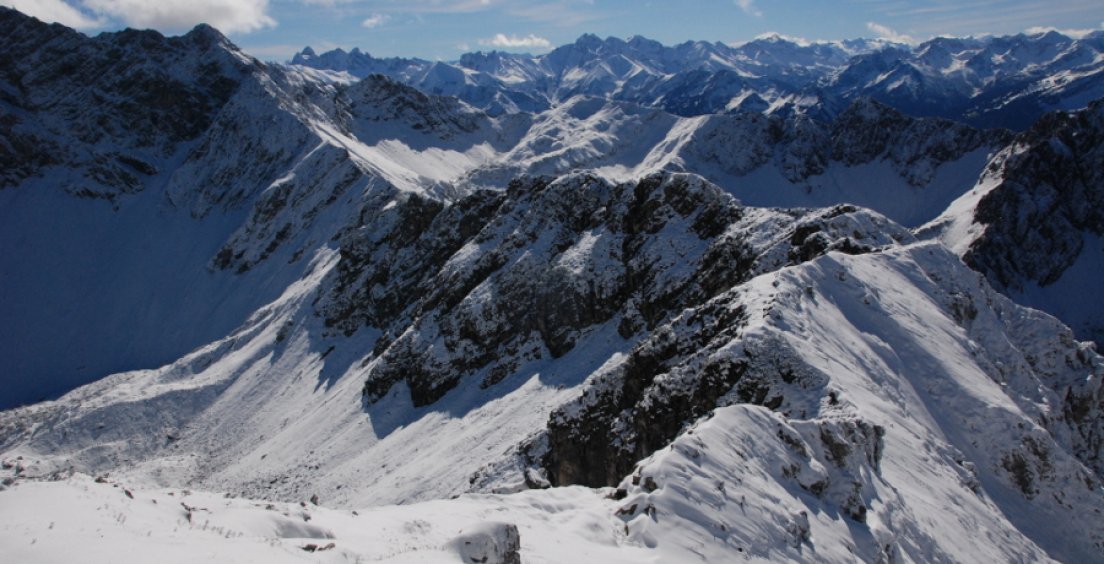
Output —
(559, 258)
(1051, 192)
(67, 98)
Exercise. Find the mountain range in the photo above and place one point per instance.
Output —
(990, 81)
(586, 305)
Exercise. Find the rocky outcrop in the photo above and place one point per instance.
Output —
(114, 106)
(1049, 192)
(498, 279)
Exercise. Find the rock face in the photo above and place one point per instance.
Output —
(1051, 191)
(115, 106)
(501, 278)
(1034, 223)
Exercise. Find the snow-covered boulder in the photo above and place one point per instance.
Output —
(489, 543)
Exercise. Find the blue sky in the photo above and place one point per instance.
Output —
(443, 29)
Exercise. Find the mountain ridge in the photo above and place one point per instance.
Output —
(260, 190)
(660, 336)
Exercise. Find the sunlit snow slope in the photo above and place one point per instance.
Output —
(888, 390)
(625, 334)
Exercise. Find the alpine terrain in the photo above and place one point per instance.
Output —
(621, 302)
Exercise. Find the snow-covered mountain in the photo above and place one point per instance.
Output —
(996, 81)
(990, 81)
(1034, 224)
(863, 379)
(246, 160)
(622, 333)
(636, 70)
(871, 155)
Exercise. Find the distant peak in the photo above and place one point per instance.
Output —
(869, 109)
(588, 40)
(1051, 35)
(304, 56)
(775, 37)
(204, 29)
(641, 42)
(206, 34)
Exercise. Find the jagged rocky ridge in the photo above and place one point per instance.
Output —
(500, 278)
(1033, 225)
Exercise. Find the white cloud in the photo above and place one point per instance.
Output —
(374, 21)
(504, 41)
(884, 32)
(748, 6)
(55, 11)
(437, 6)
(1074, 33)
(791, 38)
(229, 16)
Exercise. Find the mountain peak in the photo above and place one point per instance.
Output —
(589, 41)
(775, 37)
(866, 109)
(1049, 35)
(206, 36)
(373, 279)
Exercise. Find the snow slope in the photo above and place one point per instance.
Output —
(906, 390)
(949, 443)
(78, 518)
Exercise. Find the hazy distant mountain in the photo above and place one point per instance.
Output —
(991, 82)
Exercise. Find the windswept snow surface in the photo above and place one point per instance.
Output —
(78, 519)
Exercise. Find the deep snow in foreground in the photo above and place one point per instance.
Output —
(78, 519)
